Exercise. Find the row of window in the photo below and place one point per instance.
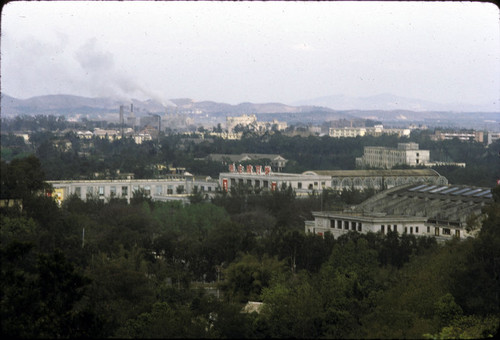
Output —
(265, 184)
(124, 192)
(346, 225)
(358, 226)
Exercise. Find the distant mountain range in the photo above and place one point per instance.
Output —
(70, 104)
(389, 102)
(384, 108)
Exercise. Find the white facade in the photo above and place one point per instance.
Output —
(227, 135)
(477, 136)
(377, 130)
(441, 211)
(303, 184)
(382, 157)
(493, 136)
(340, 223)
(346, 132)
(175, 187)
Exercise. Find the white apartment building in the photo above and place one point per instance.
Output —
(377, 130)
(493, 136)
(383, 157)
(477, 136)
(346, 132)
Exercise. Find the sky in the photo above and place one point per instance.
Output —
(250, 51)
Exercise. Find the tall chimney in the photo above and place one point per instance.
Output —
(122, 120)
(132, 107)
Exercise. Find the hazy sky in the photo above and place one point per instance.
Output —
(233, 52)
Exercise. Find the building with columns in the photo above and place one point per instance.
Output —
(262, 178)
(421, 210)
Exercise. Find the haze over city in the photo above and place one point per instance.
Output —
(233, 52)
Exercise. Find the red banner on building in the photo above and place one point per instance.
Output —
(249, 169)
(273, 186)
(258, 169)
(231, 167)
(267, 169)
(224, 184)
(240, 168)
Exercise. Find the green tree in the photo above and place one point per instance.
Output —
(42, 296)
(245, 278)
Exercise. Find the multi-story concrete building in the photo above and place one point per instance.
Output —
(346, 132)
(173, 187)
(377, 130)
(477, 136)
(422, 210)
(492, 137)
(386, 158)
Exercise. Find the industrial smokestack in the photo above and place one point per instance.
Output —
(132, 107)
(122, 120)
(121, 115)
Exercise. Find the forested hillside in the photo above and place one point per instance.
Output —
(164, 270)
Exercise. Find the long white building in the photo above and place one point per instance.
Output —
(377, 130)
(174, 187)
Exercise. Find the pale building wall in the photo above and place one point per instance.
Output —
(339, 224)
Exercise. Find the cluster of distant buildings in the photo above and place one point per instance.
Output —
(112, 134)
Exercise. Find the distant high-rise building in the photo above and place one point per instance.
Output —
(131, 120)
(122, 119)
